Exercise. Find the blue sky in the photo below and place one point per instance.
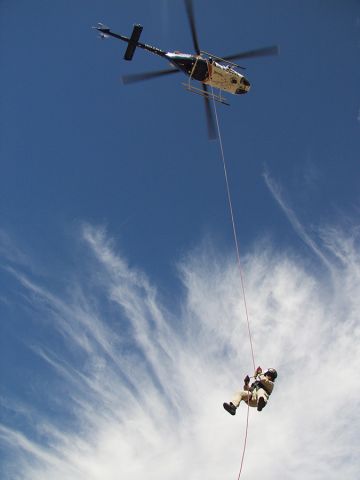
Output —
(118, 269)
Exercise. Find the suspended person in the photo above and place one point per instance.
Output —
(257, 394)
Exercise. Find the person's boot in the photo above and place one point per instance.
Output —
(261, 404)
(230, 407)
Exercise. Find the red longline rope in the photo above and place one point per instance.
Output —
(234, 230)
(245, 439)
(240, 270)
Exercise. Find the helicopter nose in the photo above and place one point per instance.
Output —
(244, 86)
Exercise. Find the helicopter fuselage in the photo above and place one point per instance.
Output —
(210, 72)
(204, 69)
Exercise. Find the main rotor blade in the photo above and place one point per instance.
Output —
(190, 14)
(139, 77)
(259, 52)
(209, 115)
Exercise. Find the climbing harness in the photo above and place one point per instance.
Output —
(240, 271)
(257, 385)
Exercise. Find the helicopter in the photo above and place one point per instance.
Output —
(212, 71)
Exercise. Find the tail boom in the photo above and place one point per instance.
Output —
(132, 41)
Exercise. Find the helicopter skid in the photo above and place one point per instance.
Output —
(205, 94)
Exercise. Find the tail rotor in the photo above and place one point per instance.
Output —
(103, 30)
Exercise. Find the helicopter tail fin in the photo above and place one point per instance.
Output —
(133, 42)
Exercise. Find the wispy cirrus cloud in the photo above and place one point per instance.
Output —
(138, 390)
(299, 228)
(9, 251)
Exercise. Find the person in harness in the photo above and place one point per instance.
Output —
(255, 395)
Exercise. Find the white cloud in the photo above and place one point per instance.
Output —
(145, 389)
(294, 221)
(9, 251)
